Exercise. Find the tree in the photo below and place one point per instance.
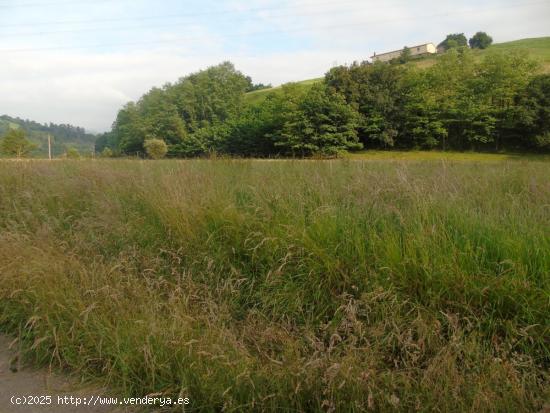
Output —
(533, 114)
(481, 40)
(156, 148)
(405, 55)
(16, 144)
(453, 41)
(323, 124)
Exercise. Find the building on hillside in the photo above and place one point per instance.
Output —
(420, 50)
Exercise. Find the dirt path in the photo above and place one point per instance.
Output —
(29, 382)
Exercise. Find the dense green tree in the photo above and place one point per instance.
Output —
(322, 124)
(129, 130)
(209, 96)
(106, 140)
(258, 128)
(480, 40)
(458, 103)
(195, 105)
(453, 41)
(15, 143)
(160, 117)
(532, 118)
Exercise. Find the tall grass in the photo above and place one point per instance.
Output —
(290, 286)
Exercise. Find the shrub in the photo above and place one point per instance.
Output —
(72, 153)
(107, 153)
(156, 148)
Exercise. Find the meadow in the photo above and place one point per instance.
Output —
(343, 285)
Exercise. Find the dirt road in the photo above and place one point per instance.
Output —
(28, 382)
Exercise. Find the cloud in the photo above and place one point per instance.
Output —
(273, 42)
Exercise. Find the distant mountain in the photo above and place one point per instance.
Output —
(63, 136)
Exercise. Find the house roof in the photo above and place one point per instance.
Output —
(399, 50)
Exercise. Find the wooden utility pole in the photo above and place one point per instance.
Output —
(49, 147)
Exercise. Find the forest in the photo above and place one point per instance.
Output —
(498, 103)
(64, 137)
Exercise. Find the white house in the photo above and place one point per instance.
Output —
(420, 50)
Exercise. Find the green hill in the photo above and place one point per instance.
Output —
(63, 136)
(259, 95)
(538, 48)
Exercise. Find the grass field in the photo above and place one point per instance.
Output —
(346, 285)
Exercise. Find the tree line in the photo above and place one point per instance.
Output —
(22, 137)
(459, 103)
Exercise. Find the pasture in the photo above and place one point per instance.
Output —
(348, 285)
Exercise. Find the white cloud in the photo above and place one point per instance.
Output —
(301, 41)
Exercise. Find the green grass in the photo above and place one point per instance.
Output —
(259, 95)
(346, 285)
(537, 48)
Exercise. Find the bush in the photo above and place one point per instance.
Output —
(156, 148)
(543, 141)
(72, 153)
(107, 153)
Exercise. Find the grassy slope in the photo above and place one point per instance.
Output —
(538, 48)
(259, 95)
(288, 286)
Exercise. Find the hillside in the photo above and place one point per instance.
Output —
(538, 48)
(63, 136)
(258, 95)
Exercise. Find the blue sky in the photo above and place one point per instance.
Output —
(79, 61)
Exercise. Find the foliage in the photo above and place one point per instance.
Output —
(106, 140)
(252, 87)
(155, 148)
(533, 114)
(61, 135)
(461, 102)
(480, 40)
(453, 41)
(405, 55)
(72, 153)
(15, 143)
(323, 123)
(179, 111)
(458, 103)
(107, 153)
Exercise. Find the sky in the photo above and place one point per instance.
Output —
(80, 61)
